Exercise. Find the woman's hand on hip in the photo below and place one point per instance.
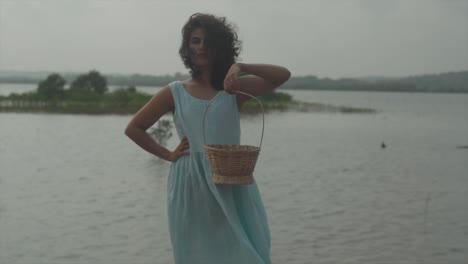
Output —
(181, 150)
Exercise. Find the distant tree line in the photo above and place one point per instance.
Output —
(53, 87)
(444, 82)
(450, 81)
(89, 90)
(89, 93)
(112, 79)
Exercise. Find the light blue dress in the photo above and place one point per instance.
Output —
(211, 223)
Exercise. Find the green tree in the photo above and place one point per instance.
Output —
(52, 86)
(91, 82)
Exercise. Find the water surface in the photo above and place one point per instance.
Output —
(74, 189)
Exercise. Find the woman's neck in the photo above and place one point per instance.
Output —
(204, 77)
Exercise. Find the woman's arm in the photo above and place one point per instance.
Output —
(161, 103)
(261, 79)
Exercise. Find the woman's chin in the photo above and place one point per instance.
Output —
(202, 64)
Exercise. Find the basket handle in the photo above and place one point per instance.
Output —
(253, 97)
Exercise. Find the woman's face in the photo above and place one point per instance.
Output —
(199, 53)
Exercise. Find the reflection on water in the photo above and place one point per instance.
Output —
(73, 189)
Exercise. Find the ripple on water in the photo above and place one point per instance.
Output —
(68, 257)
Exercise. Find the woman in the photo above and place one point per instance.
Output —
(209, 223)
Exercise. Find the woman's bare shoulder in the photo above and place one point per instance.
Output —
(162, 100)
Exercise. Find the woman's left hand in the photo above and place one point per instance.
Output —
(231, 81)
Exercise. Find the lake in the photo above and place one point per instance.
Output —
(74, 189)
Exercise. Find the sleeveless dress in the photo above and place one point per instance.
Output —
(211, 223)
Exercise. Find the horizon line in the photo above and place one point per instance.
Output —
(175, 73)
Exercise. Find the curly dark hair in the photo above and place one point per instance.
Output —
(221, 40)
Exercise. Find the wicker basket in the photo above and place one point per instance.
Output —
(233, 164)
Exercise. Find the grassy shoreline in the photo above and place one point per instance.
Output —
(103, 108)
(127, 101)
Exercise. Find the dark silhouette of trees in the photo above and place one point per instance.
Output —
(90, 82)
(52, 87)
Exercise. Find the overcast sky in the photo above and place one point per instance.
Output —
(327, 38)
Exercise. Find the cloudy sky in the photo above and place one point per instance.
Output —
(327, 38)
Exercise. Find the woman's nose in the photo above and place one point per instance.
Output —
(203, 44)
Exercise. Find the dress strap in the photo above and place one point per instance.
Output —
(176, 93)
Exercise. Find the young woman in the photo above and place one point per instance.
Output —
(209, 223)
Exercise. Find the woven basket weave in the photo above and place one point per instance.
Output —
(232, 164)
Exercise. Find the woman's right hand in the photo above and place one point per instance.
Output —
(180, 151)
(231, 81)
